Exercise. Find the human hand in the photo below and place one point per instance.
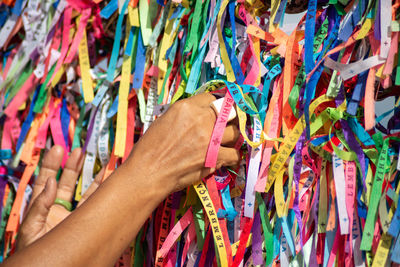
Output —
(175, 145)
(169, 157)
(43, 214)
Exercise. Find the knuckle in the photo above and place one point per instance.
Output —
(181, 106)
(182, 110)
(203, 139)
(65, 188)
(219, 164)
(24, 233)
(204, 134)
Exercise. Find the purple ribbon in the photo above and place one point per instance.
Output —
(257, 241)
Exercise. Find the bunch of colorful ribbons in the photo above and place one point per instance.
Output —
(318, 183)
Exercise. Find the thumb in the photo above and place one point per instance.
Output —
(41, 206)
(33, 225)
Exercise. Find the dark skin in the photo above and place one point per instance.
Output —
(169, 157)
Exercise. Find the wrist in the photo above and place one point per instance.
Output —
(149, 175)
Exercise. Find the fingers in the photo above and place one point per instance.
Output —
(203, 100)
(45, 200)
(93, 187)
(231, 135)
(73, 166)
(34, 223)
(227, 157)
(50, 165)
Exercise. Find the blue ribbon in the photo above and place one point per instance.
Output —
(394, 228)
(396, 250)
(140, 63)
(229, 212)
(117, 43)
(277, 238)
(113, 60)
(309, 36)
(358, 93)
(17, 9)
(113, 109)
(309, 95)
(5, 154)
(28, 121)
(65, 118)
(194, 75)
(109, 9)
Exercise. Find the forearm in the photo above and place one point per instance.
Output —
(97, 232)
(169, 157)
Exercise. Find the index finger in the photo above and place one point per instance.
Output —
(73, 166)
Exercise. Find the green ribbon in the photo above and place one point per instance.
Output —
(267, 229)
(42, 96)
